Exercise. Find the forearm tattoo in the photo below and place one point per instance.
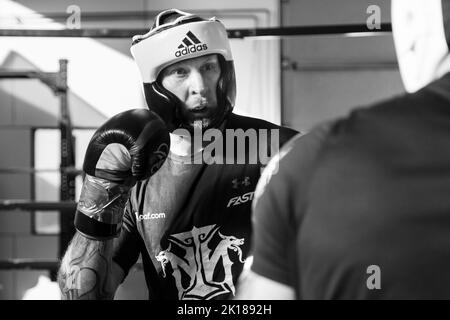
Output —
(85, 271)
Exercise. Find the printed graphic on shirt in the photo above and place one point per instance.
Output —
(195, 256)
(149, 216)
(240, 199)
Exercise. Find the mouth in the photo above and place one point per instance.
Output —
(201, 108)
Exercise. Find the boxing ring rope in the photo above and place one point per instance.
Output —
(68, 170)
(29, 264)
(354, 29)
(55, 80)
(38, 264)
(37, 205)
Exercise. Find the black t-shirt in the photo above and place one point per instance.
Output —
(192, 223)
(360, 207)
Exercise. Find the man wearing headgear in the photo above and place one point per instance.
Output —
(190, 222)
(362, 203)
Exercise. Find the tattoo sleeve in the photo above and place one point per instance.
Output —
(86, 270)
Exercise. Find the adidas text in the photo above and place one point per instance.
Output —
(191, 49)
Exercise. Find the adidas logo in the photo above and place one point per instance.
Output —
(190, 44)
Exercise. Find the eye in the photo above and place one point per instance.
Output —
(211, 66)
(179, 72)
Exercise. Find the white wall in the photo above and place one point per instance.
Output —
(316, 95)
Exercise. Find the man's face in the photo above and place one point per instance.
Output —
(194, 82)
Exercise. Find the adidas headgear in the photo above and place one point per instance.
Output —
(188, 36)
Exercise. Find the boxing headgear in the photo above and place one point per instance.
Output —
(188, 36)
(421, 31)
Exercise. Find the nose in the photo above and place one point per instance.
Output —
(197, 83)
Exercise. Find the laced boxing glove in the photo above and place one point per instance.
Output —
(131, 146)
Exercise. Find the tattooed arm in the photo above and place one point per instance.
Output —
(87, 270)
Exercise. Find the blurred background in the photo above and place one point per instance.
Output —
(297, 81)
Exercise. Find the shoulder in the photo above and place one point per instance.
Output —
(242, 122)
(381, 122)
(390, 110)
(302, 150)
(295, 161)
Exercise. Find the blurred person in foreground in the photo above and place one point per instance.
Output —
(360, 207)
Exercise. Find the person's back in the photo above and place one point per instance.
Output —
(362, 202)
(385, 172)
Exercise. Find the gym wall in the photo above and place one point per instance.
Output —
(334, 73)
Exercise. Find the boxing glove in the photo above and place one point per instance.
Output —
(131, 146)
